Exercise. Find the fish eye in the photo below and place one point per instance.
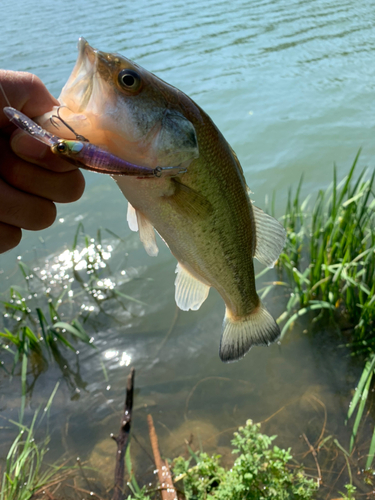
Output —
(129, 79)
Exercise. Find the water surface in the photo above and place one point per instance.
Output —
(292, 87)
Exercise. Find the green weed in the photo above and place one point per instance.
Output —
(25, 473)
(330, 255)
(55, 307)
(260, 472)
(330, 262)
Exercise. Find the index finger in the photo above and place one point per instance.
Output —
(28, 148)
(25, 92)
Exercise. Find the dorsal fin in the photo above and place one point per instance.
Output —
(270, 237)
(270, 234)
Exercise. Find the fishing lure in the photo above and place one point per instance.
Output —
(83, 154)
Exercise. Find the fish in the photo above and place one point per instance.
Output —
(205, 215)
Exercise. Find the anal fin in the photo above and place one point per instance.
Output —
(190, 292)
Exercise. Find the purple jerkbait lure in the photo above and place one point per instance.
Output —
(83, 154)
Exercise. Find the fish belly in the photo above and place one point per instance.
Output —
(216, 249)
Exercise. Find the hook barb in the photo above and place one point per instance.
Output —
(54, 118)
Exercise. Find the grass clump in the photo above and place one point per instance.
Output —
(330, 261)
(26, 474)
(330, 254)
(36, 334)
(260, 471)
(34, 330)
(22, 476)
(58, 307)
(34, 314)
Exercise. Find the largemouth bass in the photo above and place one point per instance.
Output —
(205, 216)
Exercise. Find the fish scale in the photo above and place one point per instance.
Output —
(205, 216)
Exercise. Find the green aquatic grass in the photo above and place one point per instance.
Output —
(330, 262)
(35, 335)
(34, 331)
(358, 403)
(53, 309)
(330, 255)
(26, 473)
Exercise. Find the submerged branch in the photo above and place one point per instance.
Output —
(167, 488)
(315, 456)
(122, 439)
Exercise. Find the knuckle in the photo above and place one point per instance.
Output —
(79, 188)
(13, 212)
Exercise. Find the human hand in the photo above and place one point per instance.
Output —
(32, 178)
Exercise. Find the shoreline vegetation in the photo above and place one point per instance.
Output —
(327, 270)
(329, 261)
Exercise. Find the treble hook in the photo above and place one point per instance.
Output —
(53, 121)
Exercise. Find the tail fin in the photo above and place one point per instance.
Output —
(239, 336)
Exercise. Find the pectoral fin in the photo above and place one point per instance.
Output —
(189, 202)
(138, 221)
(132, 218)
(190, 292)
(270, 237)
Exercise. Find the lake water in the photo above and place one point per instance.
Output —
(292, 87)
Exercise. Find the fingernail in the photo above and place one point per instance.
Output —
(26, 146)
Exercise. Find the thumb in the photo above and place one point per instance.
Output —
(25, 92)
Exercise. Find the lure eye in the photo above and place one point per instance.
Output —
(129, 80)
(61, 147)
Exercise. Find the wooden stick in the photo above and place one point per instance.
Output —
(313, 452)
(167, 488)
(122, 439)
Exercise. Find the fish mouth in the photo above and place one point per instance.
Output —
(78, 90)
(84, 97)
